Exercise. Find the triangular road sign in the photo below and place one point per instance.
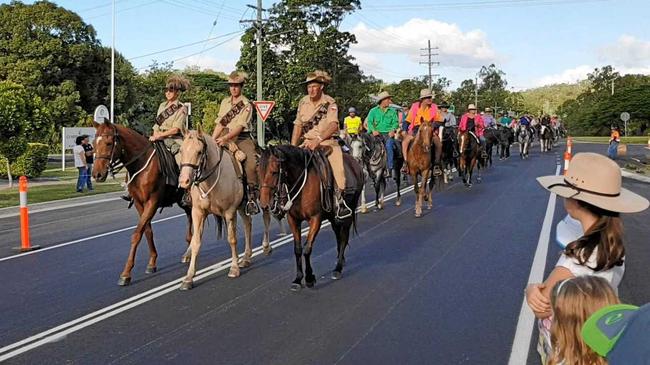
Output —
(264, 108)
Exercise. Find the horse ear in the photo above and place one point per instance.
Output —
(95, 124)
(199, 128)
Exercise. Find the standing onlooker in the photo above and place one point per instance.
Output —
(614, 140)
(573, 301)
(89, 152)
(80, 163)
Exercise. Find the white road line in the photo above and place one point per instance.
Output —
(524, 333)
(85, 239)
(75, 325)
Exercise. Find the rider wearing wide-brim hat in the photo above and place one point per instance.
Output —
(233, 130)
(171, 116)
(316, 125)
(383, 121)
(424, 110)
(473, 122)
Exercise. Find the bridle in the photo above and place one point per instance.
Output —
(282, 194)
(200, 172)
(115, 165)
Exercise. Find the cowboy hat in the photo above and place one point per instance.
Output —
(595, 179)
(382, 95)
(237, 77)
(488, 110)
(471, 107)
(426, 93)
(318, 76)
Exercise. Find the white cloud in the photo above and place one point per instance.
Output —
(456, 48)
(207, 62)
(627, 52)
(567, 76)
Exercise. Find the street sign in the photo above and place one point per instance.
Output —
(101, 114)
(69, 136)
(264, 108)
(452, 109)
(625, 116)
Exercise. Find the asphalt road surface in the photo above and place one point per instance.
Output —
(446, 288)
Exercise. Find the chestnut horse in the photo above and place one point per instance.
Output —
(293, 182)
(469, 153)
(118, 145)
(419, 163)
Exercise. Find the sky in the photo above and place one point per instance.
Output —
(535, 42)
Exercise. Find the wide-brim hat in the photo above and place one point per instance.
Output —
(595, 179)
(426, 93)
(488, 110)
(471, 107)
(383, 95)
(318, 76)
(237, 77)
(177, 82)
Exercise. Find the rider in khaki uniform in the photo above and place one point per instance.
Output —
(171, 117)
(317, 122)
(233, 124)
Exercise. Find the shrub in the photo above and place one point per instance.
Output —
(31, 163)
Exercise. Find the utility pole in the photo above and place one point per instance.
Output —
(111, 116)
(258, 26)
(476, 92)
(429, 61)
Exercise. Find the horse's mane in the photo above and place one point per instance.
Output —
(285, 153)
(123, 130)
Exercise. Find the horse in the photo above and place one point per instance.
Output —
(297, 182)
(211, 174)
(117, 145)
(469, 155)
(492, 138)
(545, 138)
(449, 152)
(524, 137)
(375, 161)
(506, 138)
(420, 163)
(358, 148)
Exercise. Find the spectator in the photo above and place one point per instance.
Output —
(573, 301)
(80, 163)
(620, 333)
(614, 140)
(593, 196)
(88, 150)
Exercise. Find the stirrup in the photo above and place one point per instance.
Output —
(436, 170)
(342, 211)
(251, 208)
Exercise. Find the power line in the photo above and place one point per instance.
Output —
(185, 45)
(122, 10)
(210, 48)
(429, 61)
(477, 4)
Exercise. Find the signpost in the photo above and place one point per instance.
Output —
(625, 116)
(264, 108)
(101, 114)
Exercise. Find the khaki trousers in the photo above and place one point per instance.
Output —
(250, 163)
(336, 161)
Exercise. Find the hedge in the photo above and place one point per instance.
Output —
(31, 163)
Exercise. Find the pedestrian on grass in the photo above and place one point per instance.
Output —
(80, 163)
(614, 140)
(89, 152)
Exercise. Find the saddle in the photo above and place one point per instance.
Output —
(168, 166)
(471, 133)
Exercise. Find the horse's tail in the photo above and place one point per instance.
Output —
(219, 221)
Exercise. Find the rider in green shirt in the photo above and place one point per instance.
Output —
(382, 120)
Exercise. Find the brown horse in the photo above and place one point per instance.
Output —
(216, 189)
(117, 145)
(419, 163)
(292, 182)
(469, 153)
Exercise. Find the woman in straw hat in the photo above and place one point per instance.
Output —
(594, 197)
(423, 110)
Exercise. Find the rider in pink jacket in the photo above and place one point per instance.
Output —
(473, 122)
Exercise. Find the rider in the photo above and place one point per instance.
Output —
(352, 123)
(383, 121)
(233, 124)
(472, 122)
(317, 123)
(488, 118)
(170, 121)
(504, 120)
(424, 110)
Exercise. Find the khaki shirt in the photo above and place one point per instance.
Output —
(307, 108)
(243, 119)
(177, 120)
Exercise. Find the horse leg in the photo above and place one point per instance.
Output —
(153, 254)
(248, 249)
(231, 220)
(283, 231)
(188, 236)
(146, 213)
(342, 236)
(266, 240)
(429, 191)
(364, 207)
(418, 194)
(382, 189)
(198, 220)
(314, 227)
(398, 182)
(297, 251)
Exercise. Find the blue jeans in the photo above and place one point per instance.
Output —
(89, 172)
(81, 180)
(390, 143)
(612, 151)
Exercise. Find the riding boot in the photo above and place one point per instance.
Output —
(342, 209)
(252, 207)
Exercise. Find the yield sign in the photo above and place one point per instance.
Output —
(264, 108)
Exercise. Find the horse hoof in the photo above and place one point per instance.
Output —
(295, 287)
(398, 202)
(336, 275)
(151, 270)
(186, 285)
(268, 250)
(185, 259)
(244, 263)
(124, 281)
(479, 180)
(234, 272)
(310, 284)
(364, 210)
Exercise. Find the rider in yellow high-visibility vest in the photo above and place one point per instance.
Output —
(352, 123)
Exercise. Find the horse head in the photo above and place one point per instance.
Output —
(269, 171)
(108, 149)
(425, 134)
(193, 157)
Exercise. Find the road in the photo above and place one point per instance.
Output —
(446, 288)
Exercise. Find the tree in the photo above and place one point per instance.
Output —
(463, 95)
(492, 90)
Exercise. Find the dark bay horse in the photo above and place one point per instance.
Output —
(469, 154)
(376, 163)
(420, 163)
(296, 182)
(449, 152)
(115, 145)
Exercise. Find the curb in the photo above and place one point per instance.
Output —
(634, 176)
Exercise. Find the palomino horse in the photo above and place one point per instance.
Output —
(375, 161)
(295, 181)
(524, 137)
(117, 145)
(469, 153)
(419, 163)
(216, 189)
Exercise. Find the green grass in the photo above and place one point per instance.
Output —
(604, 139)
(69, 173)
(46, 193)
